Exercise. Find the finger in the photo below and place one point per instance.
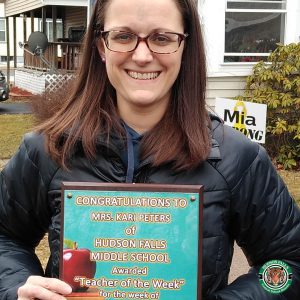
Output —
(29, 292)
(42, 288)
(52, 284)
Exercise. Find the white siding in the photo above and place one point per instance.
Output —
(66, 2)
(13, 7)
(224, 87)
(32, 81)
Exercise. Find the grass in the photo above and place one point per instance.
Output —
(12, 129)
(20, 100)
(292, 180)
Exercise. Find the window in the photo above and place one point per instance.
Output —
(2, 30)
(4, 58)
(49, 28)
(59, 29)
(253, 28)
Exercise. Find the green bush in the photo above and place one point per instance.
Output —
(277, 84)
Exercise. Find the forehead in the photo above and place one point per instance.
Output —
(143, 14)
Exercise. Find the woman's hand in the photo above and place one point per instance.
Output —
(37, 287)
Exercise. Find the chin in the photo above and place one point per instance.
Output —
(144, 99)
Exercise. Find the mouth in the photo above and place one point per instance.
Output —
(143, 76)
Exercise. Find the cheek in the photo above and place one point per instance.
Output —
(114, 60)
(174, 65)
(114, 70)
(111, 74)
(110, 61)
(115, 64)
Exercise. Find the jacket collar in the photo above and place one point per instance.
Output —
(214, 151)
(117, 144)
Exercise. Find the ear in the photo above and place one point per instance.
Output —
(101, 49)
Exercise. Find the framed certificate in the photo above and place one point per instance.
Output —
(131, 241)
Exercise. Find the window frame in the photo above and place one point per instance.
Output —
(4, 30)
(263, 10)
(48, 24)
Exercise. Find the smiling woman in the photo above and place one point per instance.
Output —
(144, 68)
(136, 114)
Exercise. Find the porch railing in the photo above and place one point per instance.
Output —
(63, 56)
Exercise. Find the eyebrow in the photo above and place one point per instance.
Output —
(126, 28)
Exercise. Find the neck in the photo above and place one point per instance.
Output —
(141, 119)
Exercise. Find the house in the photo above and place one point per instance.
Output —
(3, 38)
(237, 34)
(63, 21)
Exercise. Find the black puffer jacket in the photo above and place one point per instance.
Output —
(244, 200)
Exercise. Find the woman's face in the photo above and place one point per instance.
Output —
(142, 79)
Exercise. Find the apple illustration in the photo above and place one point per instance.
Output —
(76, 262)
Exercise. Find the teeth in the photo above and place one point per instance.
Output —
(143, 76)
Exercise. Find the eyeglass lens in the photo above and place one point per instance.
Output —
(157, 42)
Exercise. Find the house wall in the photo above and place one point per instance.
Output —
(29, 80)
(293, 22)
(227, 80)
(224, 79)
(65, 2)
(19, 33)
(224, 87)
(13, 7)
(212, 16)
(38, 82)
(74, 17)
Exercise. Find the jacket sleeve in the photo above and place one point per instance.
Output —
(24, 219)
(266, 224)
(17, 263)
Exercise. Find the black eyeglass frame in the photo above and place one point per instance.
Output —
(104, 34)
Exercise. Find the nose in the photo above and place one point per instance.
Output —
(142, 53)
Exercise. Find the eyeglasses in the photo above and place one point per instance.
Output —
(157, 42)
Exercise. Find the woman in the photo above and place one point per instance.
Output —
(137, 114)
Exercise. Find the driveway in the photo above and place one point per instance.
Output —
(14, 108)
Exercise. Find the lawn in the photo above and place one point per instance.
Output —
(12, 129)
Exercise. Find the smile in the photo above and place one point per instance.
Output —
(143, 76)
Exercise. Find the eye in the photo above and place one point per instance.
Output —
(122, 37)
(160, 38)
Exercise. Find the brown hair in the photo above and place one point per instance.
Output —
(182, 134)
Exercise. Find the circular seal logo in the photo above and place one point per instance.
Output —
(275, 276)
